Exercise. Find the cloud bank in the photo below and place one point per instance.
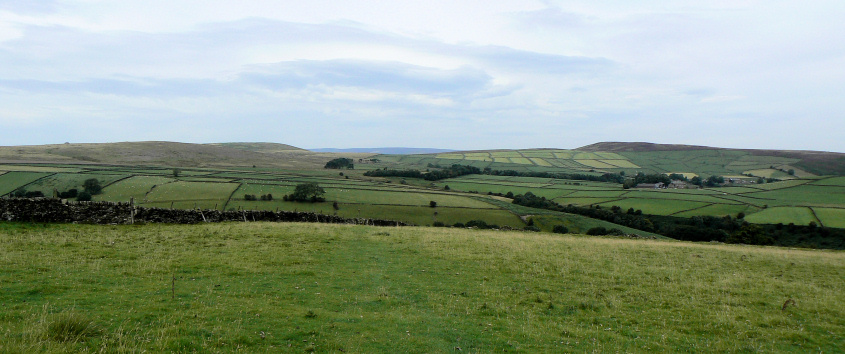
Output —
(474, 75)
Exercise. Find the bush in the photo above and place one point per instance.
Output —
(597, 231)
(616, 232)
(83, 196)
(438, 224)
(71, 193)
(560, 229)
(432, 204)
(477, 223)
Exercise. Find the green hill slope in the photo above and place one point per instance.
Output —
(638, 157)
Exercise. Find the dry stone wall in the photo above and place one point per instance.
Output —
(56, 210)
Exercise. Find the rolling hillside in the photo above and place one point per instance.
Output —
(162, 153)
(639, 157)
(816, 162)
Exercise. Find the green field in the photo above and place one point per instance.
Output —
(276, 287)
(831, 217)
(189, 195)
(786, 215)
(225, 185)
(11, 181)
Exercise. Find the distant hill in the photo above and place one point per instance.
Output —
(260, 147)
(175, 154)
(816, 162)
(387, 150)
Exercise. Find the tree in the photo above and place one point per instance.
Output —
(83, 196)
(432, 204)
(341, 162)
(92, 186)
(176, 172)
(560, 229)
(308, 192)
(791, 172)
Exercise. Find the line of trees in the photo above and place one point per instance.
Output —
(263, 197)
(607, 177)
(90, 187)
(436, 175)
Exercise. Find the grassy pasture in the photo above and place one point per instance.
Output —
(831, 217)
(39, 168)
(134, 187)
(782, 184)
(595, 164)
(65, 181)
(566, 200)
(410, 198)
(717, 210)
(832, 181)
(540, 162)
(655, 206)
(10, 181)
(422, 215)
(811, 195)
(786, 215)
(187, 195)
(260, 287)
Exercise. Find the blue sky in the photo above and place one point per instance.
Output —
(445, 74)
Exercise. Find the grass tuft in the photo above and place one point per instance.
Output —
(71, 327)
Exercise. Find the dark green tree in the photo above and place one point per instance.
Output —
(308, 192)
(341, 162)
(83, 196)
(92, 186)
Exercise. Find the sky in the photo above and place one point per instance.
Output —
(451, 74)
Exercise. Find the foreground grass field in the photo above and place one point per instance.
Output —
(265, 287)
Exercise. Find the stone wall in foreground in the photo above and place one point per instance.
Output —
(56, 210)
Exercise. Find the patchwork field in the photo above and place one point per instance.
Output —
(465, 197)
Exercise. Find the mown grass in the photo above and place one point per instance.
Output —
(260, 287)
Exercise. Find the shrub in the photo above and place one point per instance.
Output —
(560, 229)
(83, 196)
(616, 232)
(597, 231)
(477, 223)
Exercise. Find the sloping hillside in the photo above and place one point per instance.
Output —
(162, 153)
(816, 162)
(260, 147)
